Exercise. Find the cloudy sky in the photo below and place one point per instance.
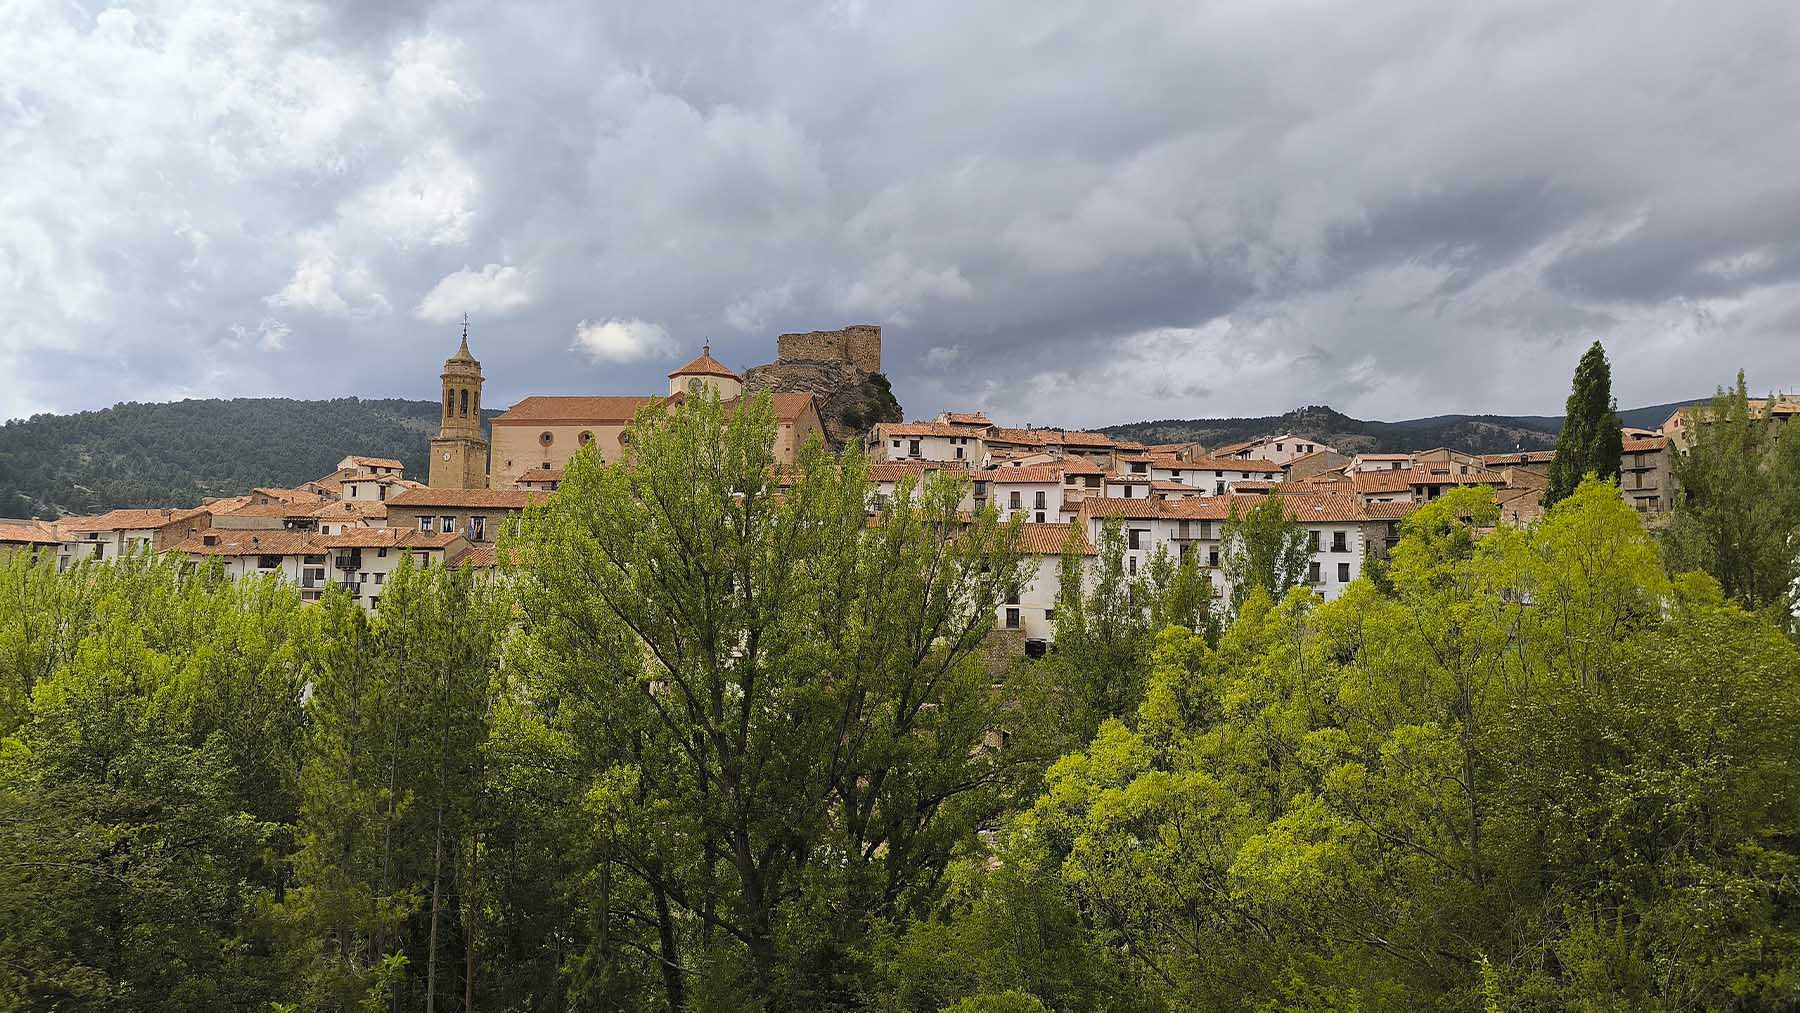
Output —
(1064, 212)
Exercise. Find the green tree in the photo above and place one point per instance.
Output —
(1737, 503)
(787, 703)
(1591, 442)
(1262, 549)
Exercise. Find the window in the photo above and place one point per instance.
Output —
(896, 444)
(1312, 573)
(1139, 467)
(425, 525)
(1013, 500)
(1218, 488)
(449, 525)
(1012, 619)
(422, 558)
(1131, 565)
(477, 528)
(1340, 542)
(268, 562)
(546, 438)
(913, 448)
(1343, 573)
(382, 553)
(1212, 557)
(585, 438)
(465, 403)
(959, 453)
(1278, 447)
(1039, 503)
(1038, 517)
(449, 403)
(1049, 615)
(378, 576)
(1312, 540)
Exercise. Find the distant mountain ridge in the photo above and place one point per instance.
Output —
(1476, 434)
(179, 453)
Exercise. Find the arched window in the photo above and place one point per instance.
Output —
(449, 403)
(465, 402)
(586, 437)
(546, 438)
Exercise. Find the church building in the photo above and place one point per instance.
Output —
(459, 453)
(542, 432)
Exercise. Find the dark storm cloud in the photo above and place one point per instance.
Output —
(1079, 213)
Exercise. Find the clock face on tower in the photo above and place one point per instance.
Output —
(446, 455)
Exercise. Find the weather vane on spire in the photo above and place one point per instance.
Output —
(465, 325)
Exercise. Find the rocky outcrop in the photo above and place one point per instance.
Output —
(850, 400)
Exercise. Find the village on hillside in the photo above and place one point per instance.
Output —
(352, 528)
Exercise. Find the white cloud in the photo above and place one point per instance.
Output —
(325, 282)
(621, 340)
(428, 201)
(493, 291)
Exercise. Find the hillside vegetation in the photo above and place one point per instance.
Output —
(180, 453)
(1476, 434)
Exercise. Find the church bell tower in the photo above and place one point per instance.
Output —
(459, 453)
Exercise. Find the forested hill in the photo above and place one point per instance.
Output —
(1476, 434)
(177, 454)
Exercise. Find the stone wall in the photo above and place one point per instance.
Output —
(858, 344)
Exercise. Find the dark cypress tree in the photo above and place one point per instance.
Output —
(1590, 439)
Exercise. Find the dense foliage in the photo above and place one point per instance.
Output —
(717, 745)
(1737, 511)
(1590, 442)
(176, 454)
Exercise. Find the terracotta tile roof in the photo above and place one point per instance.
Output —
(889, 430)
(705, 365)
(131, 520)
(347, 509)
(480, 557)
(1026, 437)
(28, 532)
(1024, 474)
(787, 407)
(1163, 486)
(1518, 457)
(1384, 457)
(894, 471)
(1079, 466)
(1233, 448)
(373, 462)
(541, 408)
(1646, 445)
(968, 418)
(1078, 438)
(227, 542)
(389, 538)
(540, 475)
(1051, 539)
(492, 499)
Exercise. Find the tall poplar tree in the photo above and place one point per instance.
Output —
(1590, 440)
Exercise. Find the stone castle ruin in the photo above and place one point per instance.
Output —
(858, 344)
(842, 368)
